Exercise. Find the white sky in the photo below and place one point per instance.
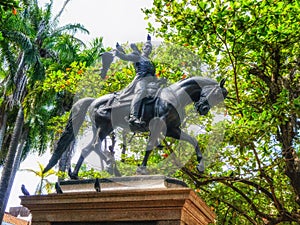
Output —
(116, 21)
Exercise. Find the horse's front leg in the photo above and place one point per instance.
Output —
(142, 169)
(177, 133)
(156, 126)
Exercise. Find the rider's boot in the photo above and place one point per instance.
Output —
(134, 119)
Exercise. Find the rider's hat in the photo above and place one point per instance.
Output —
(148, 42)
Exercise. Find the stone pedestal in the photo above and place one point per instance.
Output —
(173, 205)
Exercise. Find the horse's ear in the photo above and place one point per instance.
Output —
(222, 82)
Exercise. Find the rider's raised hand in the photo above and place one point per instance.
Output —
(119, 48)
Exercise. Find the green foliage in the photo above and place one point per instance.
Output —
(91, 173)
(254, 178)
(8, 4)
(174, 62)
(44, 186)
(67, 80)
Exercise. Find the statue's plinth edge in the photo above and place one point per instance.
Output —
(121, 183)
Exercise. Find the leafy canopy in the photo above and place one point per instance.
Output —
(255, 45)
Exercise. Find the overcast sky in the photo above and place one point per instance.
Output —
(115, 20)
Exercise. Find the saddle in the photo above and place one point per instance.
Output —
(125, 96)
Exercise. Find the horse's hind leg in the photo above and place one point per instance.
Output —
(178, 134)
(74, 175)
(104, 131)
(84, 153)
(111, 148)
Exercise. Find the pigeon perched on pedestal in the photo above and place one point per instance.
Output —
(24, 190)
(97, 185)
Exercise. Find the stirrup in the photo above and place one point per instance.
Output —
(133, 119)
(136, 124)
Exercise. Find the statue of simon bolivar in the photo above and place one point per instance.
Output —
(145, 73)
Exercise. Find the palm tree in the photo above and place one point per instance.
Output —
(10, 165)
(37, 39)
(24, 43)
(44, 183)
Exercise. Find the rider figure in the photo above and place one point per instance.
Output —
(145, 73)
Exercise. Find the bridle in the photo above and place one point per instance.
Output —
(204, 104)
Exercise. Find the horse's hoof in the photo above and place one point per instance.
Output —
(117, 172)
(73, 176)
(200, 168)
(142, 170)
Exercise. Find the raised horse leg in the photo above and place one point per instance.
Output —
(178, 134)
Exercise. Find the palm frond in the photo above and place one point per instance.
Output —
(8, 56)
(39, 70)
(70, 28)
(35, 172)
(77, 41)
(91, 54)
(18, 38)
(48, 13)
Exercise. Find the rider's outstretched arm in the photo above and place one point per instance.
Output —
(133, 57)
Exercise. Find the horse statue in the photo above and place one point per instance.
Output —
(163, 111)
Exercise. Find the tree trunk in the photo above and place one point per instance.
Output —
(6, 178)
(16, 167)
(3, 128)
(292, 169)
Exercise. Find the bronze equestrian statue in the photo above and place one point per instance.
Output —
(161, 109)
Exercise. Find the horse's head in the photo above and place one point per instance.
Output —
(211, 95)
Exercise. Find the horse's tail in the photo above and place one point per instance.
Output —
(75, 121)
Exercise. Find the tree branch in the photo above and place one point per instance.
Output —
(252, 205)
(239, 210)
(231, 206)
(195, 177)
(256, 71)
(268, 179)
(61, 11)
(225, 181)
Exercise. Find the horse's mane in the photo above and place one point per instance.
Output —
(201, 81)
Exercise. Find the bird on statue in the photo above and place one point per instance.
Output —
(24, 190)
(97, 185)
(58, 188)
